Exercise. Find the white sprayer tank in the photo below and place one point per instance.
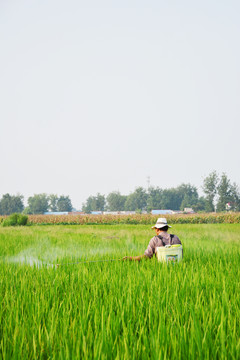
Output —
(170, 253)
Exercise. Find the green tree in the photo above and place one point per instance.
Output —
(185, 195)
(210, 188)
(235, 197)
(27, 211)
(10, 204)
(53, 202)
(89, 205)
(154, 198)
(170, 199)
(189, 195)
(100, 202)
(64, 203)
(137, 200)
(38, 204)
(116, 201)
(186, 202)
(200, 205)
(224, 193)
(94, 203)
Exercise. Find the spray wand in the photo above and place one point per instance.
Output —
(87, 261)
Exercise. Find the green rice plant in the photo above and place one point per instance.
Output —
(120, 310)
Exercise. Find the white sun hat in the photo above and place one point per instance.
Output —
(161, 222)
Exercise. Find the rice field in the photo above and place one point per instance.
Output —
(117, 309)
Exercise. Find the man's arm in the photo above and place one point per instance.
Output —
(135, 258)
(147, 255)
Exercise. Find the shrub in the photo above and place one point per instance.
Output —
(15, 219)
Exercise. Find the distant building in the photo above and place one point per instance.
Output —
(188, 210)
(111, 213)
(96, 212)
(162, 212)
(127, 212)
(228, 206)
(56, 213)
(76, 213)
(119, 212)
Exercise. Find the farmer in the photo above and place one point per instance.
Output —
(162, 238)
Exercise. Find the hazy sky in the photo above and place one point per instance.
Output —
(97, 95)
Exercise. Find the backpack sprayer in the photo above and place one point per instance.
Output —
(170, 253)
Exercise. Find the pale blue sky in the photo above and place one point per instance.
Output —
(97, 95)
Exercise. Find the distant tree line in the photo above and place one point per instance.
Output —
(219, 195)
(11, 204)
(37, 204)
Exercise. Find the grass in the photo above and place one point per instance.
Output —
(119, 310)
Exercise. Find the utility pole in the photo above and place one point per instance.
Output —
(148, 182)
